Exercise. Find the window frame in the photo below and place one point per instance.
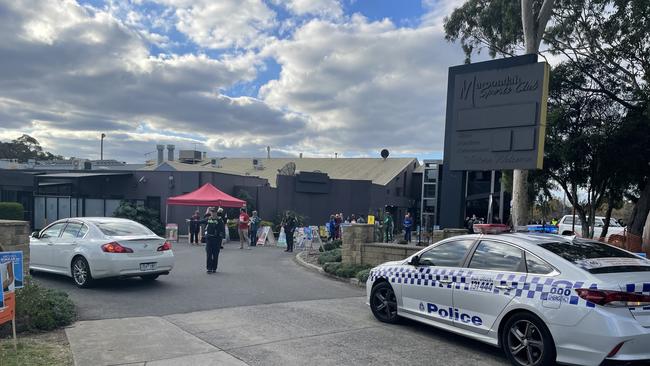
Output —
(522, 265)
(462, 261)
(76, 236)
(40, 233)
(477, 241)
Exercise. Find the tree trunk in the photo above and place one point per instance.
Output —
(533, 32)
(608, 215)
(640, 213)
(520, 204)
(646, 236)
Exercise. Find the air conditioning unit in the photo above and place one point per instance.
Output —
(215, 163)
(257, 164)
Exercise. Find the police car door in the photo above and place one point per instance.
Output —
(427, 287)
(495, 270)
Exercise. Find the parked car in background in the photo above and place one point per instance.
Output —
(566, 227)
(89, 248)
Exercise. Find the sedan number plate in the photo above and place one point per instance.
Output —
(147, 266)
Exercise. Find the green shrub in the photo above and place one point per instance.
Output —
(350, 270)
(331, 267)
(332, 245)
(337, 243)
(362, 275)
(146, 216)
(40, 308)
(330, 256)
(11, 211)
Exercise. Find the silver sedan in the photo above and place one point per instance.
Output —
(89, 248)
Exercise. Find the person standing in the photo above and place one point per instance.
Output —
(255, 224)
(332, 228)
(388, 227)
(408, 226)
(195, 227)
(214, 234)
(289, 225)
(244, 222)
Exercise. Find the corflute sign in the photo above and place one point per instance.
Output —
(496, 114)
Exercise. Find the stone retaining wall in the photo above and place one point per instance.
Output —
(358, 247)
(14, 235)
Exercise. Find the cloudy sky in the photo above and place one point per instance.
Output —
(226, 76)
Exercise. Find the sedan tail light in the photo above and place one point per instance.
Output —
(166, 246)
(115, 247)
(613, 298)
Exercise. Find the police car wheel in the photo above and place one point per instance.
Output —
(383, 303)
(527, 342)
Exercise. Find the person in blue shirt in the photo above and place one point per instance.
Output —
(408, 226)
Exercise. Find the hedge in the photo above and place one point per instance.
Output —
(363, 275)
(11, 211)
(330, 256)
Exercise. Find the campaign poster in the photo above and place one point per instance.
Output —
(282, 239)
(3, 275)
(262, 234)
(371, 219)
(16, 259)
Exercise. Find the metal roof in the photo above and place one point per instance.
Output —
(379, 171)
(81, 175)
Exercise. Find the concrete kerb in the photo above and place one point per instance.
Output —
(314, 268)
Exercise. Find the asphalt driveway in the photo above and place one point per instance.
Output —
(263, 275)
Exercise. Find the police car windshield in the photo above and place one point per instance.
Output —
(603, 257)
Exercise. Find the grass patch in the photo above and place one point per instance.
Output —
(51, 349)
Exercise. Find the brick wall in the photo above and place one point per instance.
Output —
(358, 247)
(14, 235)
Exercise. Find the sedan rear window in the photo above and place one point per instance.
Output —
(596, 257)
(123, 228)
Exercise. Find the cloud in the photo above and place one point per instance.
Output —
(322, 8)
(224, 23)
(68, 72)
(365, 85)
(148, 72)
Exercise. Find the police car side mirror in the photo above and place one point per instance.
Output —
(415, 261)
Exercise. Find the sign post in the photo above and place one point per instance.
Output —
(11, 277)
(496, 120)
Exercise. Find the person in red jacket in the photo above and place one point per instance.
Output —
(244, 221)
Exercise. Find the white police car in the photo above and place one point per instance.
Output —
(542, 298)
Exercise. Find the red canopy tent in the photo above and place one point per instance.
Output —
(206, 195)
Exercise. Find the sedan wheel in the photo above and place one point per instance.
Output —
(527, 342)
(81, 272)
(383, 303)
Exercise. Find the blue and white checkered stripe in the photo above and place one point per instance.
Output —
(536, 287)
(641, 289)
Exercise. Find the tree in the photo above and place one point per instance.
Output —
(587, 136)
(494, 24)
(24, 148)
(146, 216)
(607, 40)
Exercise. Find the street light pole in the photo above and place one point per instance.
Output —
(101, 148)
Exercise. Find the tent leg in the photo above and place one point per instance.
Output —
(166, 214)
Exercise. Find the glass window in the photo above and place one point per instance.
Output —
(580, 250)
(536, 265)
(122, 228)
(449, 254)
(82, 232)
(497, 257)
(53, 231)
(430, 190)
(71, 231)
(568, 220)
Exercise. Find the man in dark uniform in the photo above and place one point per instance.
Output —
(289, 227)
(195, 227)
(214, 234)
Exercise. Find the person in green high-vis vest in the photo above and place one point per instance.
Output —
(388, 227)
